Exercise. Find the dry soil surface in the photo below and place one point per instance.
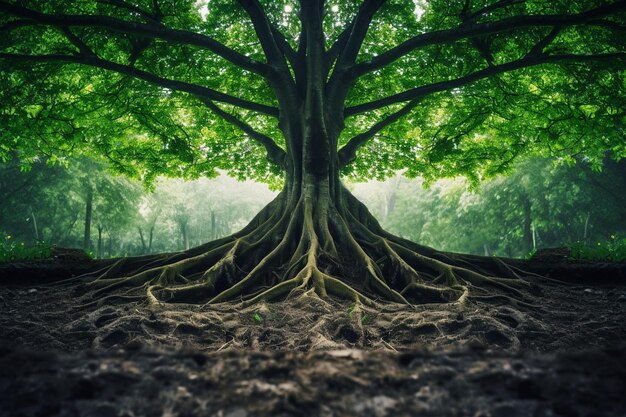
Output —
(559, 352)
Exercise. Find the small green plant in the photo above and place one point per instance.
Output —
(350, 309)
(613, 250)
(12, 250)
(257, 318)
(350, 312)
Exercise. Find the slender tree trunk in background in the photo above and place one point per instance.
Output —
(213, 231)
(109, 243)
(586, 226)
(88, 213)
(99, 250)
(32, 213)
(185, 238)
(150, 237)
(527, 234)
(184, 235)
(391, 198)
(70, 227)
(143, 241)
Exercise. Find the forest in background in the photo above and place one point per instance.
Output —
(86, 206)
(539, 204)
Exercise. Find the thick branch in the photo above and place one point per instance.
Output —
(140, 44)
(263, 29)
(16, 24)
(283, 45)
(480, 43)
(77, 42)
(280, 78)
(481, 29)
(608, 24)
(527, 61)
(274, 153)
(341, 78)
(338, 46)
(140, 29)
(359, 28)
(194, 89)
(347, 153)
(541, 45)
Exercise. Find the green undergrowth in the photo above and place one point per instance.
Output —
(613, 250)
(12, 250)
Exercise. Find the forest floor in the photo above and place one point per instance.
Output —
(560, 353)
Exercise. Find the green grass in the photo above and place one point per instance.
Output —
(12, 250)
(613, 250)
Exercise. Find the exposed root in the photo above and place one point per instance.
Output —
(310, 249)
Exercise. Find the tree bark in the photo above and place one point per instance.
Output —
(99, 250)
(88, 214)
(143, 241)
(527, 232)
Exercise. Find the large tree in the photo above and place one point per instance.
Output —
(306, 92)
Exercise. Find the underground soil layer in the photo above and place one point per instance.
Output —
(560, 352)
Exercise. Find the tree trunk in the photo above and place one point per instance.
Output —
(109, 242)
(527, 233)
(143, 241)
(150, 238)
(88, 213)
(32, 213)
(99, 250)
(184, 236)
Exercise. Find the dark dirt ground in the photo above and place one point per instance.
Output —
(560, 353)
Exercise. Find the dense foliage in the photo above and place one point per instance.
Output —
(311, 92)
(94, 88)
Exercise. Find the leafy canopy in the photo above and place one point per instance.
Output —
(129, 81)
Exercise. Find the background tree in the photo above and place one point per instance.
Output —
(60, 199)
(274, 89)
(126, 218)
(25, 199)
(557, 205)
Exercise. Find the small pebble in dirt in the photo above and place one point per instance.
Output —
(476, 344)
(424, 393)
(588, 290)
(134, 345)
(32, 291)
(237, 412)
(114, 338)
(377, 406)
